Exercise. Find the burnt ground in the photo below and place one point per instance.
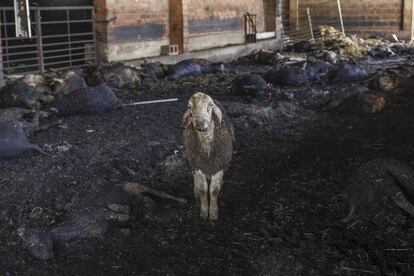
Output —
(281, 206)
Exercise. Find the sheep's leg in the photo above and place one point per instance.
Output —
(196, 186)
(200, 181)
(215, 187)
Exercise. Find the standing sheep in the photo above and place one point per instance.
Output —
(208, 137)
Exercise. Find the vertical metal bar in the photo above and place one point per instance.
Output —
(69, 37)
(340, 17)
(5, 39)
(310, 23)
(22, 18)
(94, 35)
(39, 39)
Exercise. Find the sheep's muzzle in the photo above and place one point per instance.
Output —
(201, 124)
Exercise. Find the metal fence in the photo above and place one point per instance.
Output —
(305, 22)
(63, 37)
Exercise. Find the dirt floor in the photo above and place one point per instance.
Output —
(280, 209)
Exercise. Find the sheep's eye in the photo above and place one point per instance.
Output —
(210, 105)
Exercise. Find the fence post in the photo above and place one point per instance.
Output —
(340, 17)
(39, 39)
(310, 23)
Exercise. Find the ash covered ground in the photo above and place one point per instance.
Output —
(282, 203)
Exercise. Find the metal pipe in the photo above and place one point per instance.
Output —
(54, 8)
(39, 39)
(340, 17)
(310, 23)
(66, 43)
(151, 102)
(65, 21)
(65, 61)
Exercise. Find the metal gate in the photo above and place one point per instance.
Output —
(63, 37)
(304, 20)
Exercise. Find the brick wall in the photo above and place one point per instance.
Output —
(216, 23)
(285, 8)
(269, 7)
(363, 17)
(129, 29)
(366, 17)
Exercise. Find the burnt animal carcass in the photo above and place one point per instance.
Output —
(381, 51)
(193, 67)
(154, 70)
(87, 100)
(68, 81)
(378, 189)
(117, 75)
(251, 85)
(318, 70)
(386, 81)
(327, 56)
(21, 94)
(302, 46)
(289, 74)
(42, 85)
(13, 138)
(349, 72)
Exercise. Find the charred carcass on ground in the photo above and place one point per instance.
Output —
(13, 137)
(21, 94)
(208, 137)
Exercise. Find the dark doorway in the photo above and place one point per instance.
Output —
(176, 23)
(269, 15)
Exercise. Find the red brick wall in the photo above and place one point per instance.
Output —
(216, 23)
(363, 17)
(285, 8)
(373, 16)
(129, 29)
(269, 15)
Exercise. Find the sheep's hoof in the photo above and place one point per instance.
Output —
(213, 214)
(203, 215)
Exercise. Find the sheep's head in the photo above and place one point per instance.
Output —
(201, 111)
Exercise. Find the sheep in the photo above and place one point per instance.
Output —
(208, 137)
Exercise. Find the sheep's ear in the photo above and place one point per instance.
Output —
(185, 122)
(217, 112)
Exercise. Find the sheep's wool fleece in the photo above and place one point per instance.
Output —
(221, 151)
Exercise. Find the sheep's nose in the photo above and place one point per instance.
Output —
(201, 125)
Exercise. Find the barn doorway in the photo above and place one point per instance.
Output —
(176, 28)
(269, 15)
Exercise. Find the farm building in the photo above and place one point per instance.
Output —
(132, 30)
(206, 137)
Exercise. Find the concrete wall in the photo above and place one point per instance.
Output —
(132, 29)
(363, 17)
